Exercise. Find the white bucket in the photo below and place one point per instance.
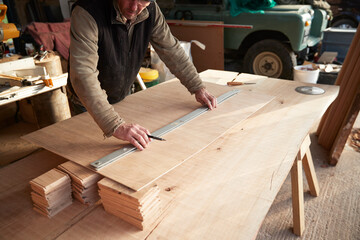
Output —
(306, 73)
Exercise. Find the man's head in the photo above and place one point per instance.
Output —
(131, 8)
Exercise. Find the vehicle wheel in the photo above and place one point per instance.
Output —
(270, 58)
(344, 24)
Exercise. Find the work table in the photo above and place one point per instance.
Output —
(222, 192)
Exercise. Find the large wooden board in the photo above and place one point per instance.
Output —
(224, 192)
(80, 140)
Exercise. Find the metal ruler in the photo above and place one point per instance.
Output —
(114, 156)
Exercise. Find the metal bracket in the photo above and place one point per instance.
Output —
(116, 155)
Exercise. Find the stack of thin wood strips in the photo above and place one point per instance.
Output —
(83, 182)
(51, 192)
(140, 209)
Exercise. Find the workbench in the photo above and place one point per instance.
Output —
(18, 93)
(222, 192)
(48, 101)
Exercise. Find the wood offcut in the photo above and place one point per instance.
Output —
(83, 182)
(140, 209)
(51, 192)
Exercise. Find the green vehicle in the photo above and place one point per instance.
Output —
(271, 42)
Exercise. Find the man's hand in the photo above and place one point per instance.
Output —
(133, 133)
(205, 98)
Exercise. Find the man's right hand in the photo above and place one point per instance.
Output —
(133, 133)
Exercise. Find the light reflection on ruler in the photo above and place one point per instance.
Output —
(114, 156)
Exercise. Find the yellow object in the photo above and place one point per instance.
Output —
(148, 74)
(48, 81)
(7, 30)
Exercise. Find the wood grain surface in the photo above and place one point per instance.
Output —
(80, 140)
(223, 192)
(18, 220)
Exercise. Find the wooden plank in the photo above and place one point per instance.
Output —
(345, 130)
(297, 197)
(17, 64)
(182, 143)
(83, 181)
(136, 197)
(49, 181)
(304, 148)
(140, 209)
(332, 123)
(80, 175)
(76, 139)
(225, 191)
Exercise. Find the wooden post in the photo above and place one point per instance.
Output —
(345, 130)
(52, 64)
(337, 122)
(297, 197)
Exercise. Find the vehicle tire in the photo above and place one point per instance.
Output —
(270, 58)
(344, 23)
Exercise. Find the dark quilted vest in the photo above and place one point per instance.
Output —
(119, 60)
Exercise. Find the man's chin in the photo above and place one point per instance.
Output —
(130, 16)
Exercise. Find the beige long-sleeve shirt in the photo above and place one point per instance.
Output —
(84, 58)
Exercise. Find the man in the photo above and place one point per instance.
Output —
(108, 43)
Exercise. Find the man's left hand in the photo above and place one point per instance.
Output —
(205, 98)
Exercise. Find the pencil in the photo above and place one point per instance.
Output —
(156, 138)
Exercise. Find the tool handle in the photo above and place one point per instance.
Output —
(11, 77)
(234, 83)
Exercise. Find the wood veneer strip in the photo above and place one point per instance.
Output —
(79, 174)
(158, 106)
(49, 181)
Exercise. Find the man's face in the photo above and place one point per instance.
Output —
(131, 8)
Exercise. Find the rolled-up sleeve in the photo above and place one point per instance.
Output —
(84, 73)
(170, 52)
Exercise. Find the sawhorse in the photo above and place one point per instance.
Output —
(304, 159)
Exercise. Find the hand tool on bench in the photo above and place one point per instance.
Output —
(233, 83)
(20, 81)
(11, 80)
(238, 83)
